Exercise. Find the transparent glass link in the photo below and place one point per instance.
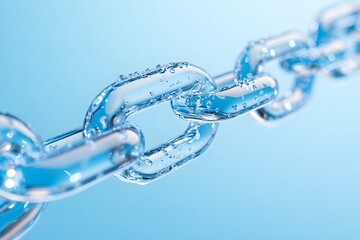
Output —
(18, 142)
(149, 88)
(171, 155)
(18, 145)
(317, 59)
(67, 139)
(335, 21)
(340, 21)
(287, 104)
(17, 218)
(138, 91)
(73, 167)
(345, 68)
(230, 100)
(257, 55)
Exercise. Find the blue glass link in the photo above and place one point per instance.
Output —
(340, 21)
(257, 55)
(335, 21)
(141, 90)
(66, 170)
(65, 139)
(171, 155)
(18, 145)
(17, 218)
(230, 100)
(344, 68)
(314, 60)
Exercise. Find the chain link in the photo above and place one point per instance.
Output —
(252, 63)
(33, 172)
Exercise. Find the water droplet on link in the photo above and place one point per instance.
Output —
(53, 147)
(198, 101)
(245, 105)
(97, 101)
(131, 173)
(148, 162)
(208, 104)
(161, 68)
(136, 74)
(122, 77)
(183, 64)
(152, 92)
(146, 72)
(103, 121)
(172, 64)
(94, 131)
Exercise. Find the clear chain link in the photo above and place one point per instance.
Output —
(33, 172)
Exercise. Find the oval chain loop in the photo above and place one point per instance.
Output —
(138, 91)
(232, 99)
(257, 55)
(73, 167)
(342, 22)
(18, 145)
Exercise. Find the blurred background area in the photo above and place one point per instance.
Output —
(297, 180)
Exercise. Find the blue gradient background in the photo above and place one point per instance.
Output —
(298, 180)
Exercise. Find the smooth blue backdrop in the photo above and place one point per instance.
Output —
(298, 180)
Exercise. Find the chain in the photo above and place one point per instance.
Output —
(33, 172)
